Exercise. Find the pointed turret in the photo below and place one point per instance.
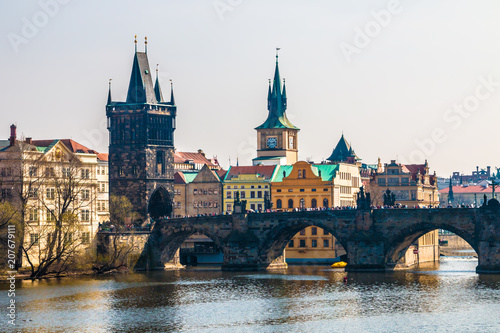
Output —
(342, 152)
(172, 100)
(276, 104)
(158, 94)
(284, 93)
(450, 192)
(140, 89)
(109, 93)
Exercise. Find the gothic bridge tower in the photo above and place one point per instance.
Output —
(141, 142)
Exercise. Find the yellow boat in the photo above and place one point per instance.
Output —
(339, 264)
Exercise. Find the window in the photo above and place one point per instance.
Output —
(85, 173)
(301, 190)
(195, 192)
(120, 171)
(290, 243)
(259, 186)
(6, 193)
(303, 173)
(302, 232)
(242, 186)
(85, 237)
(49, 172)
(259, 194)
(381, 181)
(259, 207)
(326, 243)
(68, 238)
(265, 186)
(85, 215)
(66, 172)
(33, 193)
(278, 203)
(278, 190)
(314, 243)
(290, 203)
(325, 202)
(33, 214)
(314, 231)
(252, 186)
(314, 203)
(134, 170)
(85, 194)
(302, 204)
(34, 239)
(325, 232)
(50, 217)
(6, 172)
(252, 194)
(33, 172)
(242, 194)
(229, 208)
(300, 173)
(252, 206)
(302, 243)
(313, 190)
(325, 190)
(290, 190)
(228, 194)
(235, 186)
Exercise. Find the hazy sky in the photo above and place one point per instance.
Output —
(403, 80)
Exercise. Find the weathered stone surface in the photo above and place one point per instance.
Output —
(374, 240)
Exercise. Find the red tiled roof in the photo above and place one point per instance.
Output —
(179, 178)
(197, 158)
(73, 146)
(102, 157)
(414, 168)
(467, 189)
(221, 173)
(263, 170)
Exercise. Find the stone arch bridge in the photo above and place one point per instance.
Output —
(373, 239)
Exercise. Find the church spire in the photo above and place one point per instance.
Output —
(269, 96)
(140, 89)
(158, 94)
(109, 93)
(172, 100)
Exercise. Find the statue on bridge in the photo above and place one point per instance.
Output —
(364, 200)
(389, 198)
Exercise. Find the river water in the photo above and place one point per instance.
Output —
(449, 297)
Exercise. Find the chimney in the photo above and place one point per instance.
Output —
(13, 134)
(201, 152)
(488, 170)
(29, 140)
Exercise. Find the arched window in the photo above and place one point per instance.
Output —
(314, 204)
(302, 203)
(278, 203)
(303, 173)
(325, 202)
(300, 173)
(290, 203)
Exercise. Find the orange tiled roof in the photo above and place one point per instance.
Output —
(72, 145)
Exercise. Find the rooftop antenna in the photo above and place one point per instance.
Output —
(145, 44)
(135, 42)
(277, 50)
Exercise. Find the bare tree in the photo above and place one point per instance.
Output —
(376, 193)
(66, 201)
(112, 256)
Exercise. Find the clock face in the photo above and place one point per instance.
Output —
(272, 143)
(290, 142)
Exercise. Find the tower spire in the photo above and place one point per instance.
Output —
(269, 96)
(135, 42)
(109, 92)
(172, 100)
(146, 45)
(158, 94)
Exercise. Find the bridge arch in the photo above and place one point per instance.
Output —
(172, 239)
(398, 244)
(277, 238)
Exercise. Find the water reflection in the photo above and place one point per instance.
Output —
(449, 296)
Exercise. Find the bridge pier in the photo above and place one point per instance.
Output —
(489, 257)
(365, 256)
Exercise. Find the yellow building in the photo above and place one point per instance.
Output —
(304, 186)
(252, 184)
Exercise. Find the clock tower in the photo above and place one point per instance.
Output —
(277, 142)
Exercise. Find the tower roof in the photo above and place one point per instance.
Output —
(276, 104)
(158, 94)
(342, 151)
(140, 89)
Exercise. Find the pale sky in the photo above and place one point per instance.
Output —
(390, 74)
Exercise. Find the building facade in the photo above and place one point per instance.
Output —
(250, 183)
(141, 148)
(277, 137)
(469, 195)
(412, 185)
(52, 182)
